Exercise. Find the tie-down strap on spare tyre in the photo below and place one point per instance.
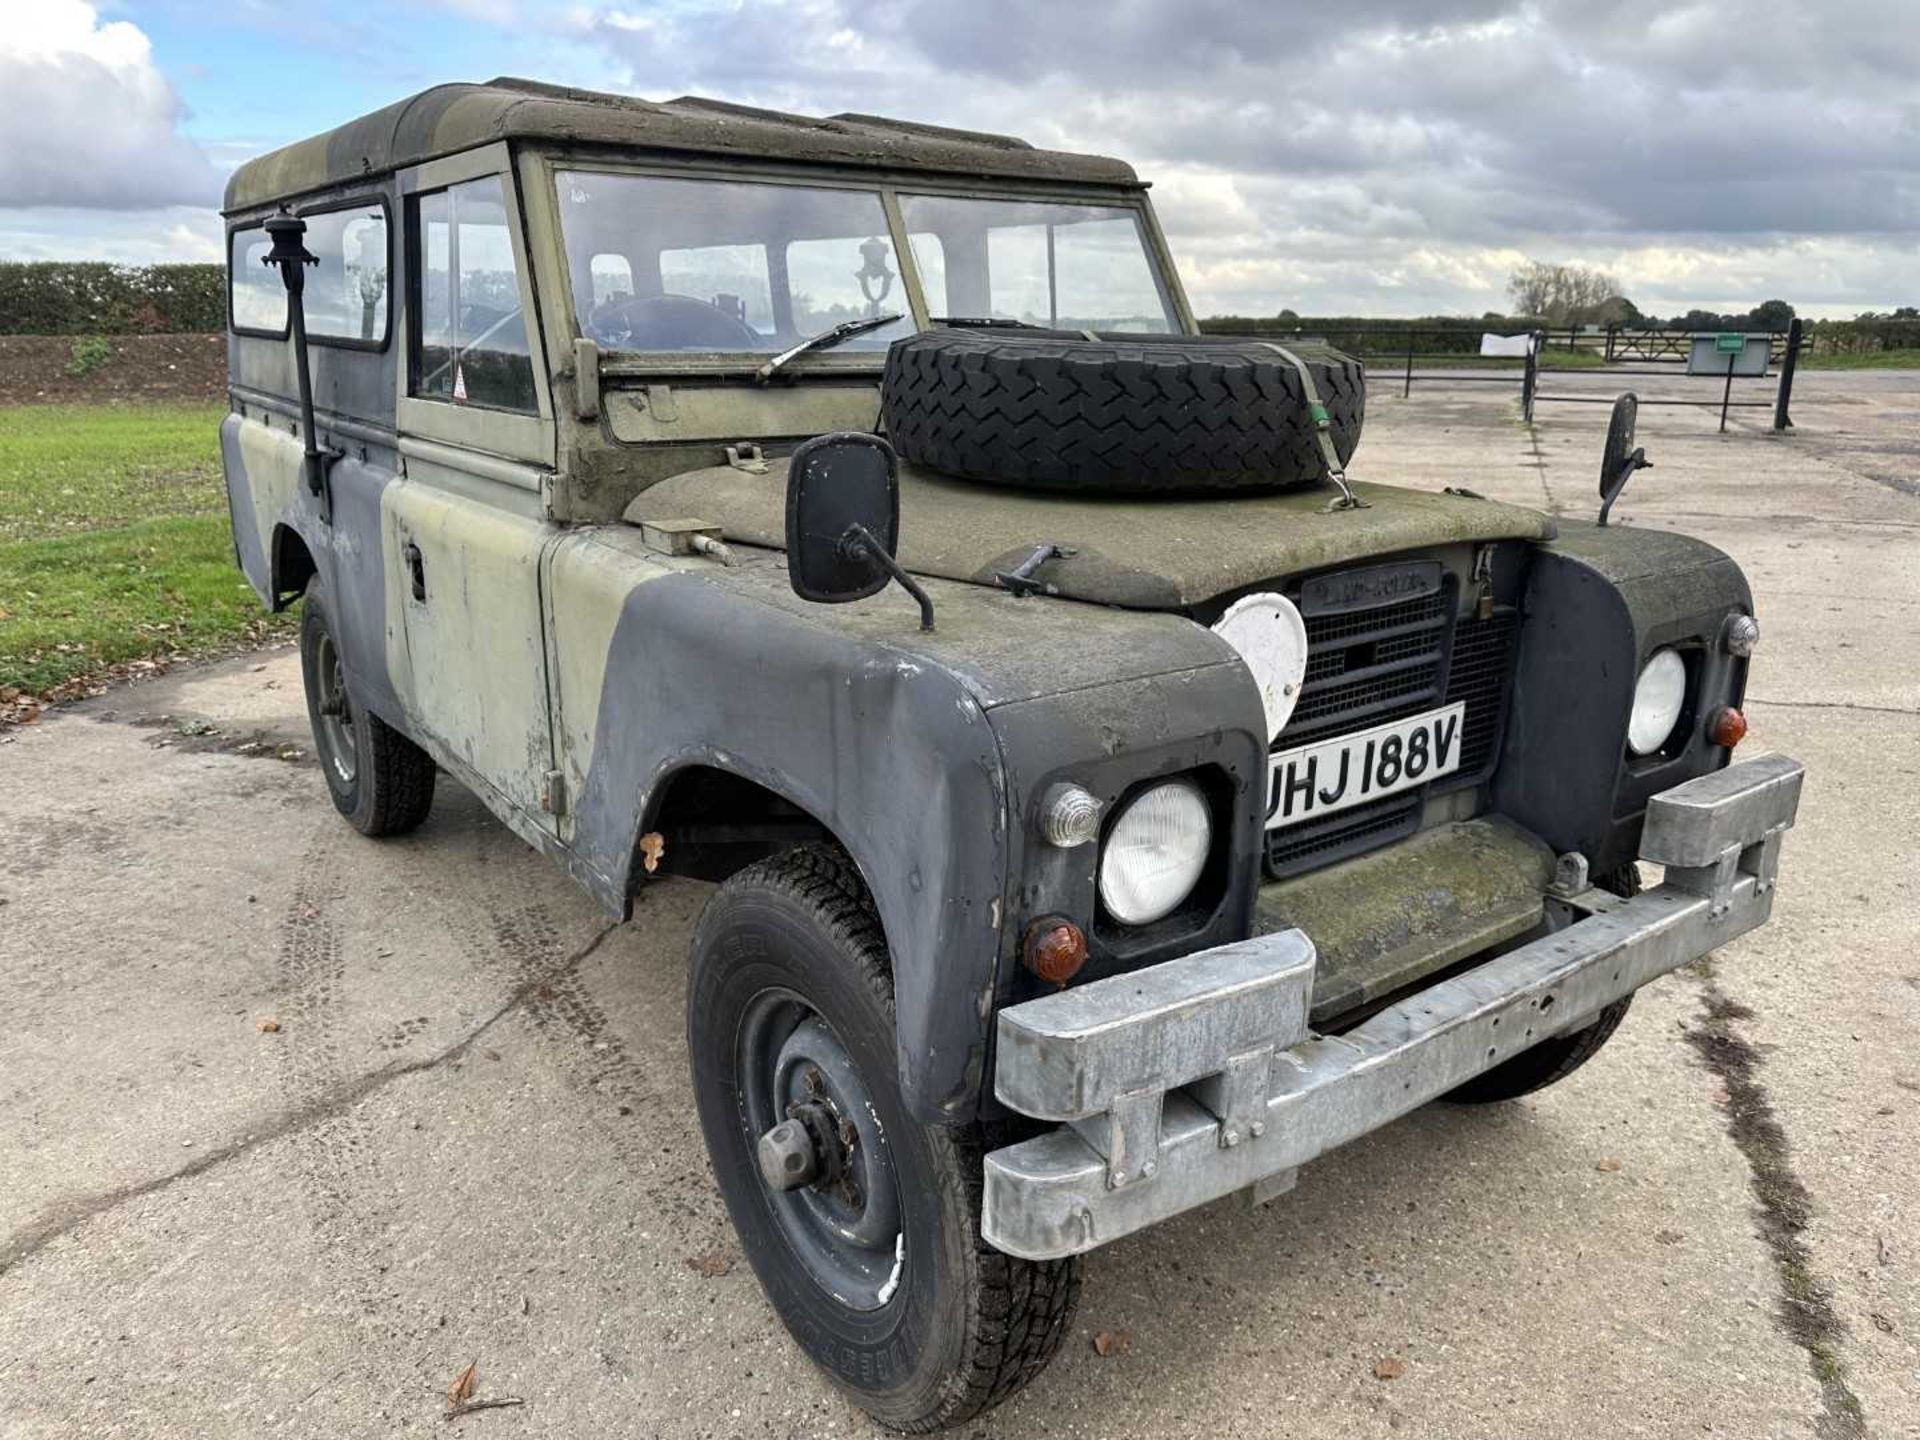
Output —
(1123, 414)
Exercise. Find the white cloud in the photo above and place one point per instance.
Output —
(89, 121)
(131, 237)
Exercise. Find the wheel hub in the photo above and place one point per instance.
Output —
(821, 1151)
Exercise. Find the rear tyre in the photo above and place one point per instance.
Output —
(874, 1261)
(1555, 1059)
(379, 779)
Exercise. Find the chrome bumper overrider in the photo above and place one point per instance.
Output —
(1187, 1081)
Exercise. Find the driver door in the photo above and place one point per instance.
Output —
(464, 526)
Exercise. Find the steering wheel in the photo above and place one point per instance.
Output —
(671, 322)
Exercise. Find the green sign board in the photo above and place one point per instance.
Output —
(1730, 341)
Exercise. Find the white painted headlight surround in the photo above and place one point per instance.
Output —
(1659, 695)
(1155, 852)
(1266, 631)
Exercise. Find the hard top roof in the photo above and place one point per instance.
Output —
(451, 118)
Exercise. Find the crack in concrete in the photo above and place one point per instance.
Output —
(65, 1216)
(1553, 506)
(1834, 705)
(1784, 1209)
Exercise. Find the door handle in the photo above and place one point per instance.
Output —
(416, 571)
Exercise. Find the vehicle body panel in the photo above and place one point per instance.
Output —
(1159, 553)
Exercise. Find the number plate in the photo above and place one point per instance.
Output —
(1349, 770)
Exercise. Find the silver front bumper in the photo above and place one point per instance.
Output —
(1189, 1080)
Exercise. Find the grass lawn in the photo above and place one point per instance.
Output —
(114, 543)
(1908, 359)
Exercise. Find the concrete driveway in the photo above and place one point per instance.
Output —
(466, 1134)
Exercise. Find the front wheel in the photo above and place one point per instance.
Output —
(862, 1225)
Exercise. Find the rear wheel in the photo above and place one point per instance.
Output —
(1555, 1059)
(379, 779)
(862, 1224)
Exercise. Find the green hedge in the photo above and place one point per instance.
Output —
(93, 298)
(1862, 337)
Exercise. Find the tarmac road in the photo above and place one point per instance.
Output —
(470, 1137)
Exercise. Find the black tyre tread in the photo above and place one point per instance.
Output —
(1023, 1308)
(1553, 1060)
(403, 776)
(1121, 414)
(393, 784)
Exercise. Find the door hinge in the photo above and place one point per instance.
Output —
(553, 793)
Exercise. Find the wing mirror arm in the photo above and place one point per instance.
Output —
(292, 258)
(859, 543)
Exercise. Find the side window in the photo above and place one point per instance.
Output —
(255, 297)
(346, 295)
(612, 279)
(470, 336)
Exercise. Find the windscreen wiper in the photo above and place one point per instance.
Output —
(845, 330)
(984, 322)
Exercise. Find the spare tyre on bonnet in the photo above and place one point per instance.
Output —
(1058, 410)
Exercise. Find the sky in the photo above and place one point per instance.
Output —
(1377, 157)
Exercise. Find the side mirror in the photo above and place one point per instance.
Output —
(843, 521)
(1622, 457)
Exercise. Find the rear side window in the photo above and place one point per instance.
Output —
(346, 295)
(255, 297)
(470, 334)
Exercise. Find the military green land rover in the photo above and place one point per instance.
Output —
(1111, 807)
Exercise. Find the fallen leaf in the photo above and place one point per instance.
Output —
(1389, 1367)
(1609, 1165)
(1882, 1251)
(712, 1265)
(652, 846)
(268, 1027)
(1668, 1237)
(461, 1390)
(1881, 1322)
(1111, 1342)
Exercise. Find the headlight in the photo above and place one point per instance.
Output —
(1155, 853)
(1658, 697)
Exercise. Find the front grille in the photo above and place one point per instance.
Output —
(1367, 667)
(1370, 666)
(1482, 664)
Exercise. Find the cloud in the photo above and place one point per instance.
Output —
(89, 122)
(1376, 156)
(1395, 154)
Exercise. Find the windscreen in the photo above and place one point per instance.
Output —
(1073, 267)
(661, 263)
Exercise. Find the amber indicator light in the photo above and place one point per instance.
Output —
(1055, 949)
(1728, 727)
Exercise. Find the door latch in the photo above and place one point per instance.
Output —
(416, 571)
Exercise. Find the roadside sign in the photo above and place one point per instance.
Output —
(1747, 352)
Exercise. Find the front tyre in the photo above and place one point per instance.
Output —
(379, 779)
(862, 1225)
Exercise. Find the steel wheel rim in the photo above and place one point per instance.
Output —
(845, 1231)
(333, 716)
